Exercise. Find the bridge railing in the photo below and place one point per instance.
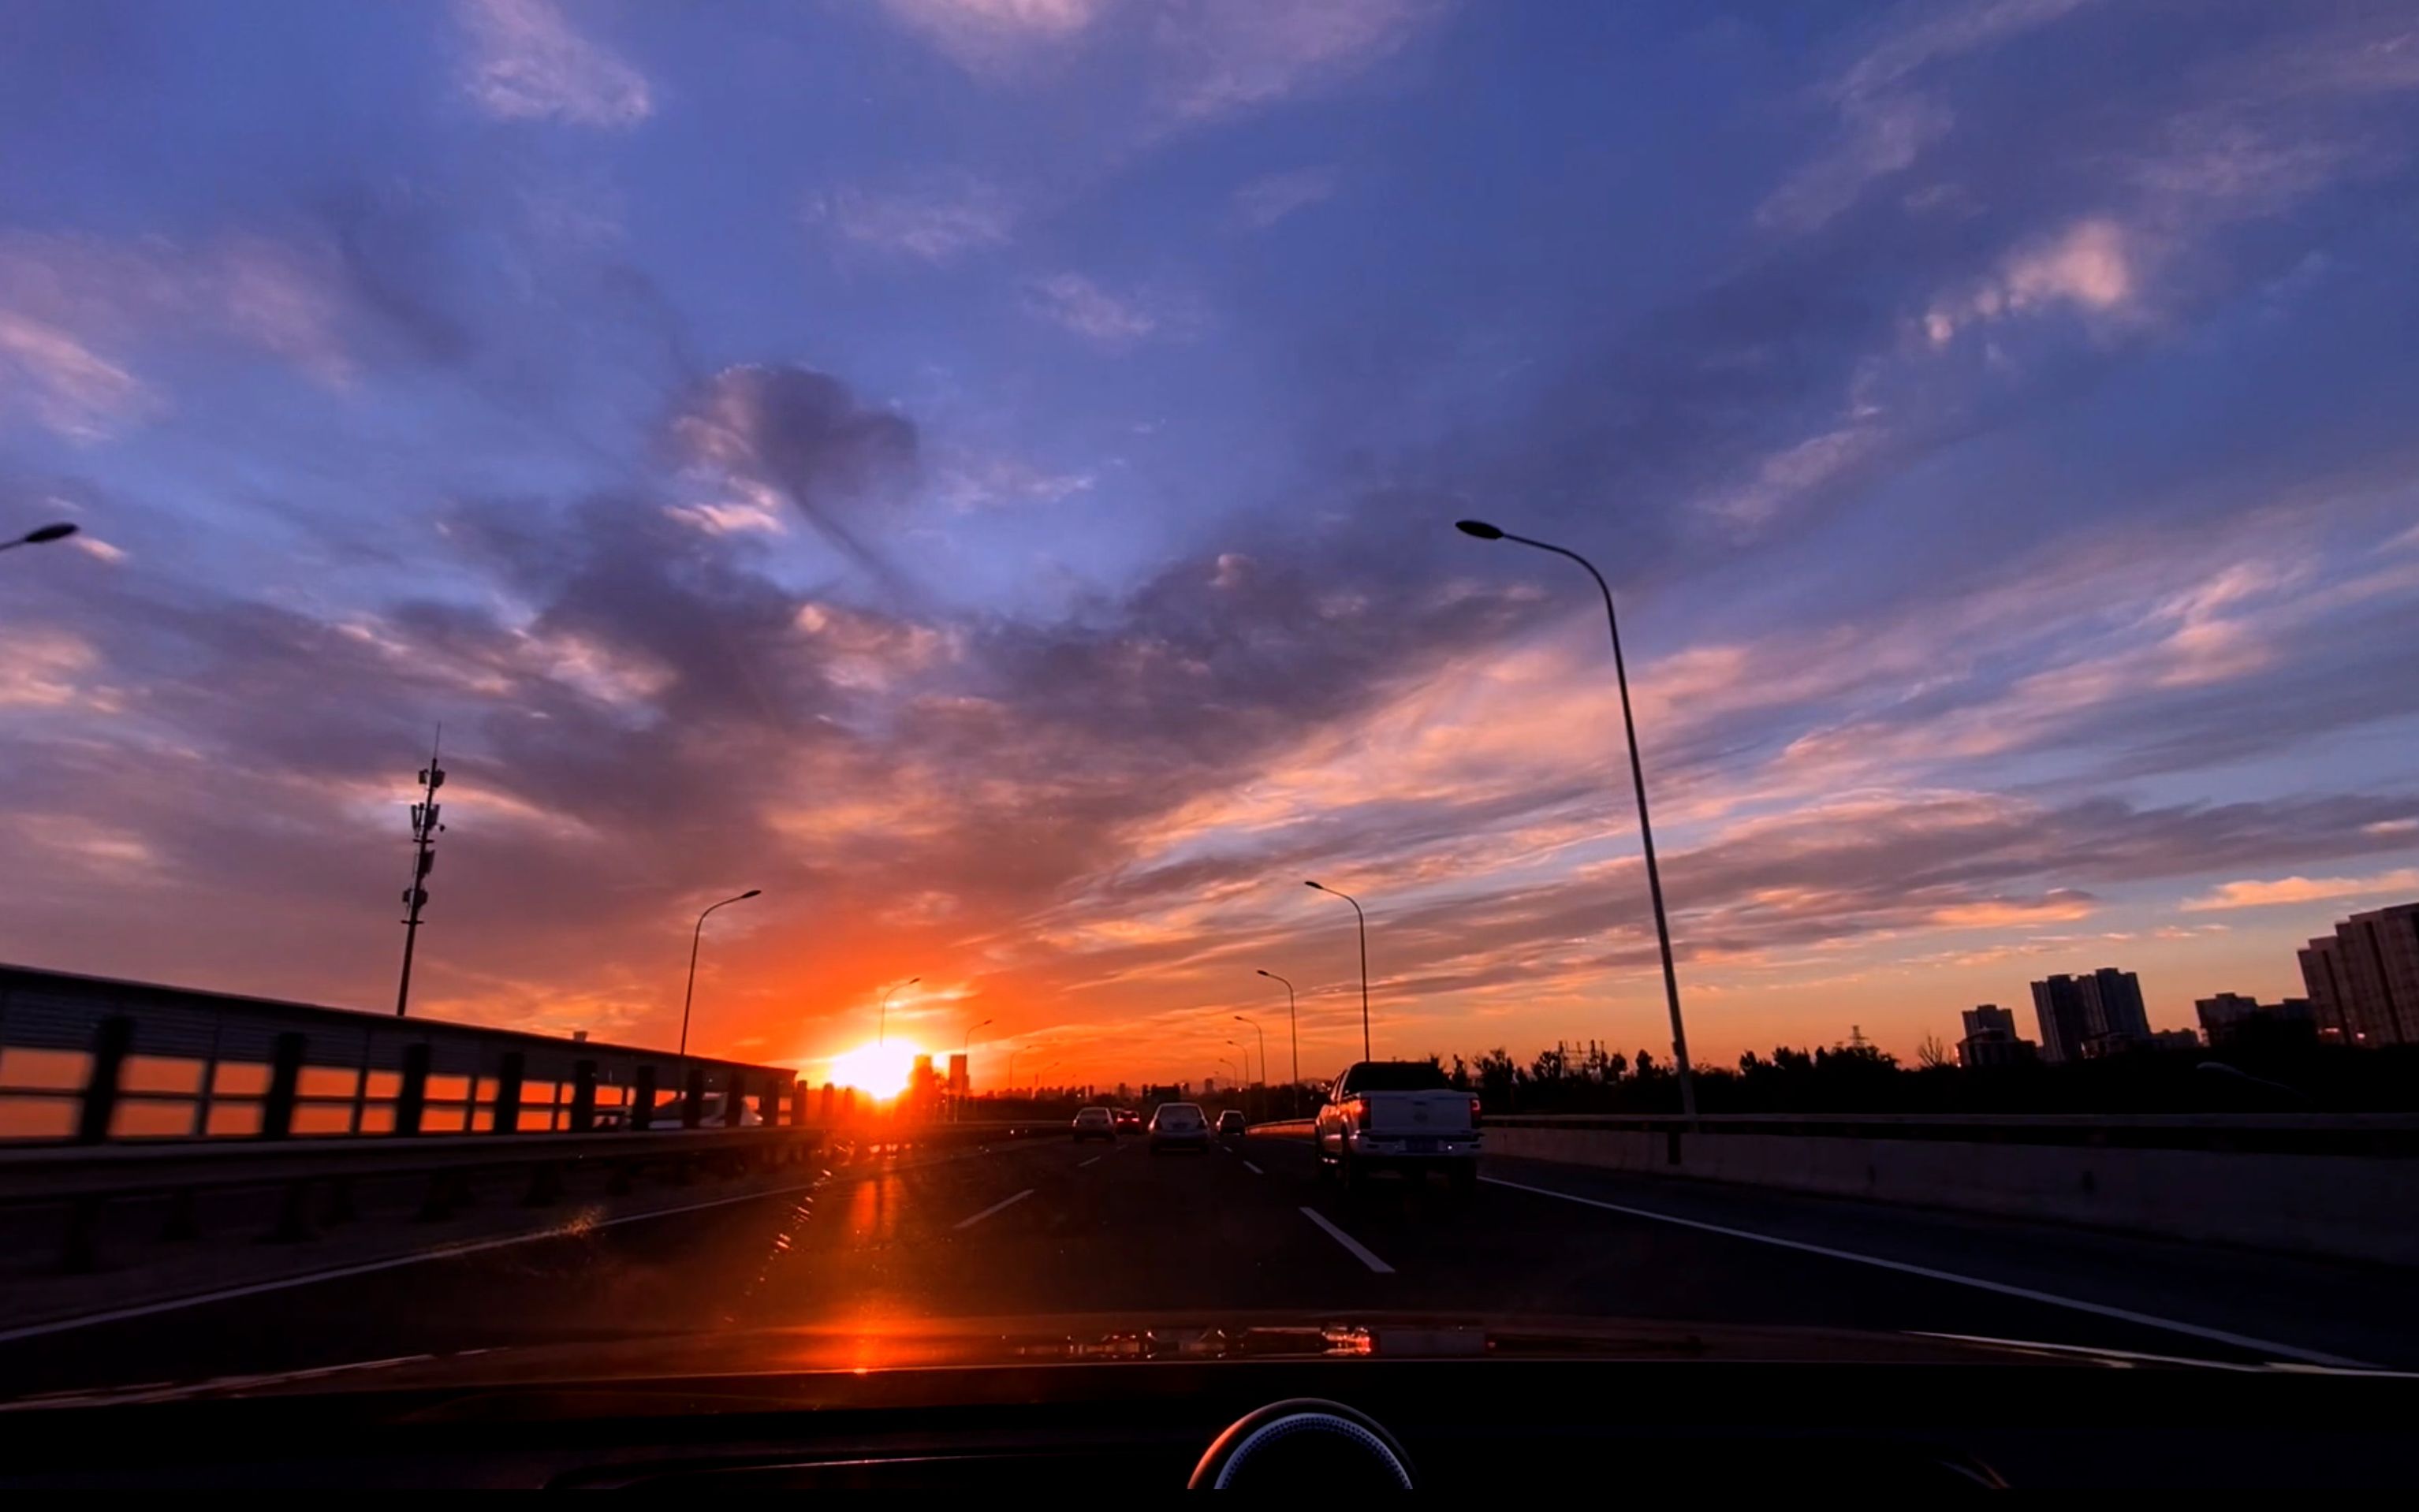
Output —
(89, 1060)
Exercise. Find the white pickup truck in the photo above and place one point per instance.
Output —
(1401, 1116)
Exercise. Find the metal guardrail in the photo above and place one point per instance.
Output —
(82, 1181)
(91, 1060)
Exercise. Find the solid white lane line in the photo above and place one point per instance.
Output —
(1254, 1170)
(1081, 1163)
(1004, 1202)
(2126, 1315)
(1359, 1251)
(442, 1252)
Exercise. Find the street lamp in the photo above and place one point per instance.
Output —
(1229, 1064)
(885, 1036)
(1485, 532)
(40, 535)
(1290, 1027)
(1364, 959)
(966, 1043)
(1264, 1043)
(1244, 1050)
(695, 935)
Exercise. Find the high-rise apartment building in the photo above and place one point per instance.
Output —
(2090, 1015)
(2057, 1008)
(2364, 979)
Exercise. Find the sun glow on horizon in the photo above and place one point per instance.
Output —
(879, 1070)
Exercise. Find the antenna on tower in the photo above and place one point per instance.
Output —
(425, 827)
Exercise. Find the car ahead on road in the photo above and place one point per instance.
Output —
(1231, 1125)
(1127, 1119)
(1094, 1124)
(1178, 1126)
(1400, 1116)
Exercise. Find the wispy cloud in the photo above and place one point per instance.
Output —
(935, 221)
(1221, 56)
(1886, 121)
(67, 386)
(529, 63)
(1264, 202)
(1112, 322)
(996, 37)
(77, 310)
(2256, 894)
(1203, 60)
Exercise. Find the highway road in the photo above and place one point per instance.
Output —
(1049, 1228)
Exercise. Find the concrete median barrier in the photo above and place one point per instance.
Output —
(2348, 1205)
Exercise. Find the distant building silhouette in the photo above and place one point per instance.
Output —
(2085, 1017)
(1990, 1040)
(960, 1084)
(2112, 1015)
(2058, 1008)
(2232, 1018)
(2364, 979)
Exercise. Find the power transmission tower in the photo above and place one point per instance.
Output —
(424, 830)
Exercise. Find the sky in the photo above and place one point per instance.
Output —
(982, 472)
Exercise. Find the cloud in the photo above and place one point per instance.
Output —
(805, 436)
(971, 482)
(1199, 60)
(1886, 123)
(2088, 267)
(1264, 202)
(997, 36)
(529, 64)
(1112, 322)
(69, 386)
(75, 311)
(49, 669)
(2059, 905)
(936, 222)
(1221, 56)
(2253, 894)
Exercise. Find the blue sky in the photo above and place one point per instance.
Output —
(983, 471)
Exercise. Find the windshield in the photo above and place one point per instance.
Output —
(674, 672)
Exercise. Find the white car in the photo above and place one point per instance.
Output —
(1094, 1124)
(1179, 1126)
(1399, 1116)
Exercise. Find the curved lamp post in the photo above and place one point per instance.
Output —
(1291, 1028)
(695, 935)
(1364, 959)
(1485, 532)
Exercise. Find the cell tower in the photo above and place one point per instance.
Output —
(424, 830)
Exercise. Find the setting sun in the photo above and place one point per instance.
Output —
(879, 1070)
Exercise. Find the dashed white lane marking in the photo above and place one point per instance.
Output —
(1004, 1202)
(1254, 1170)
(1358, 1250)
(2074, 1304)
(1081, 1163)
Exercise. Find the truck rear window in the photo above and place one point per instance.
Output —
(1396, 1076)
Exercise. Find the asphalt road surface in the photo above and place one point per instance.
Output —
(1050, 1228)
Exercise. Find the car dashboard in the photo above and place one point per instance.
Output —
(1487, 1424)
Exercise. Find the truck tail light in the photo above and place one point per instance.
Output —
(1474, 1112)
